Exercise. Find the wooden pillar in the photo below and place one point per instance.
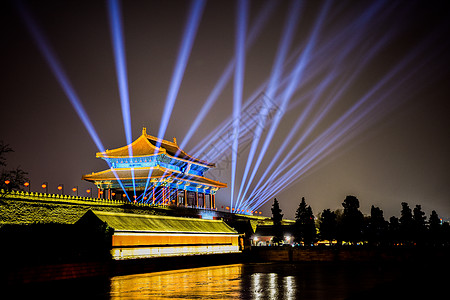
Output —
(209, 201)
(153, 195)
(196, 199)
(164, 195)
(213, 201)
(98, 193)
(109, 194)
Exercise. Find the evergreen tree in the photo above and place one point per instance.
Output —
(394, 230)
(419, 224)
(327, 225)
(305, 229)
(406, 224)
(277, 216)
(434, 229)
(309, 230)
(352, 220)
(377, 226)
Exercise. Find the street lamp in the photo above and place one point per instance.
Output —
(45, 186)
(7, 182)
(75, 189)
(27, 184)
(61, 188)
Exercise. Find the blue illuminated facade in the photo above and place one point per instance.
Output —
(159, 172)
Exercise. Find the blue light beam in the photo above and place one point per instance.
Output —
(228, 72)
(195, 13)
(115, 19)
(60, 75)
(284, 45)
(298, 70)
(241, 28)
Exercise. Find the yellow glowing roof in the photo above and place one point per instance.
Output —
(156, 224)
(125, 173)
(145, 145)
(156, 173)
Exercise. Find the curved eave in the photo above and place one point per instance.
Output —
(175, 145)
(99, 176)
(141, 142)
(157, 173)
(196, 162)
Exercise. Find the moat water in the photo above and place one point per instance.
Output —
(255, 281)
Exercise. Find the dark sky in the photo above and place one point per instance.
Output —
(398, 152)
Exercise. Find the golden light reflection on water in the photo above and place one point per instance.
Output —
(222, 282)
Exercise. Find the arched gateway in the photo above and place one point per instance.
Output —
(156, 171)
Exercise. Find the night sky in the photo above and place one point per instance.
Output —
(397, 152)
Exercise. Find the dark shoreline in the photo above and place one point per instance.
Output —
(421, 257)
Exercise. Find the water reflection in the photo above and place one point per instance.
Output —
(222, 282)
(251, 281)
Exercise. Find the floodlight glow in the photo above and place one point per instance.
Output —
(61, 77)
(121, 70)
(285, 43)
(121, 67)
(352, 123)
(370, 13)
(195, 13)
(58, 72)
(323, 112)
(295, 128)
(241, 28)
(228, 72)
(298, 70)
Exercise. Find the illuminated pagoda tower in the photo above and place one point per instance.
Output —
(158, 172)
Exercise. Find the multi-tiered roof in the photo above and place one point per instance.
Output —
(151, 162)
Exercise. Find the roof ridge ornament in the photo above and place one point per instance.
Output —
(144, 131)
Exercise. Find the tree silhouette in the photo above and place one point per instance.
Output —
(434, 229)
(406, 224)
(309, 227)
(277, 216)
(4, 148)
(376, 229)
(305, 229)
(394, 230)
(352, 220)
(327, 225)
(10, 179)
(419, 224)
